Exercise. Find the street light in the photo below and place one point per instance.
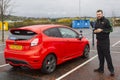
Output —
(2, 20)
(93, 27)
(79, 7)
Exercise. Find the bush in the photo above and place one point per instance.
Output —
(28, 22)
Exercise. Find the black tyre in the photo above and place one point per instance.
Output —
(86, 52)
(49, 64)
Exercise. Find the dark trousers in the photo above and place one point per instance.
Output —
(103, 48)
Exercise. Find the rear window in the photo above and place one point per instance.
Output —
(21, 34)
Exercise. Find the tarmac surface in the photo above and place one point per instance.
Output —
(76, 69)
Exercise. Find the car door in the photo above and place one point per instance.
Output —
(55, 40)
(72, 43)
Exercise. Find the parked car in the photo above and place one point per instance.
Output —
(44, 46)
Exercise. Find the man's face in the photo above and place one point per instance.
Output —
(99, 15)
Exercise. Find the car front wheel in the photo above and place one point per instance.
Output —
(86, 52)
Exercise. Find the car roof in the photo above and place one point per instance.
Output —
(38, 28)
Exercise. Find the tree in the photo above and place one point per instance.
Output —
(4, 9)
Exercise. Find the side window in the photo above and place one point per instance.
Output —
(52, 32)
(68, 33)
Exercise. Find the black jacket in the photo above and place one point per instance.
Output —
(104, 24)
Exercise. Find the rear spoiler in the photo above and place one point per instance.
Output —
(25, 28)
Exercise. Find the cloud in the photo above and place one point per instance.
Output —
(65, 8)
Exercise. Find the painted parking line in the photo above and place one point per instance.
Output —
(61, 77)
(4, 65)
(81, 65)
(2, 45)
(1, 52)
(110, 51)
(115, 52)
(115, 44)
(64, 75)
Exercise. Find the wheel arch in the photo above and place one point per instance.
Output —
(50, 53)
(87, 44)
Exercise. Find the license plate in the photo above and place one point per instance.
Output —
(16, 47)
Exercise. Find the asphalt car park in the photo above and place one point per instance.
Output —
(76, 69)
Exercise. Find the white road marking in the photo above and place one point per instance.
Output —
(4, 65)
(1, 52)
(93, 50)
(115, 52)
(2, 45)
(64, 75)
(115, 44)
(81, 65)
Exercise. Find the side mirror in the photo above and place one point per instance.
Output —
(81, 35)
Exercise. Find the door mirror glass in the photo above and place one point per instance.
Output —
(80, 36)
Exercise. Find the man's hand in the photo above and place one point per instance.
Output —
(98, 30)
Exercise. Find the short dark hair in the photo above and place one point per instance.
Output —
(100, 11)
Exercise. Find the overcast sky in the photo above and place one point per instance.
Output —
(65, 8)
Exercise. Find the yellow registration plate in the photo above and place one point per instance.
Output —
(16, 47)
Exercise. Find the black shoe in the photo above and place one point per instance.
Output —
(112, 74)
(98, 70)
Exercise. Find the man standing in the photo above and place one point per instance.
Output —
(102, 31)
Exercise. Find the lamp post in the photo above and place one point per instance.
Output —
(2, 19)
(93, 26)
(79, 7)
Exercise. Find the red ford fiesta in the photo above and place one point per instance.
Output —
(44, 46)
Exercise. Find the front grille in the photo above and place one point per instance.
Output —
(16, 61)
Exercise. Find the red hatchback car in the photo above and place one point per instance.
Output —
(44, 46)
